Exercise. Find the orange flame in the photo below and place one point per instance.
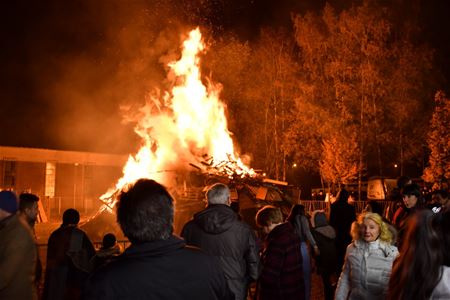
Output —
(182, 127)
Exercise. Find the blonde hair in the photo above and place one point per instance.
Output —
(385, 233)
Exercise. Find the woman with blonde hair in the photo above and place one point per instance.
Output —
(368, 261)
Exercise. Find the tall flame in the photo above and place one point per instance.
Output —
(182, 127)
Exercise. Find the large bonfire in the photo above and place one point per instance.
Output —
(181, 128)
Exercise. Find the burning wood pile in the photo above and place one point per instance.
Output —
(177, 128)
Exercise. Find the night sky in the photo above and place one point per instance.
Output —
(68, 66)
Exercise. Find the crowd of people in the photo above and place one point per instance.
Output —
(373, 255)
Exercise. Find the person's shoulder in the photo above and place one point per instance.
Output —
(188, 228)
(283, 234)
(189, 224)
(17, 227)
(193, 252)
(446, 274)
(81, 231)
(241, 225)
(356, 245)
(197, 257)
(389, 249)
(442, 289)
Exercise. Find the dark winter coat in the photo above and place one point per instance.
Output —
(218, 232)
(325, 238)
(282, 270)
(342, 216)
(63, 280)
(104, 256)
(17, 260)
(164, 269)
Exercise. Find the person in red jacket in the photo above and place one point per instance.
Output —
(282, 268)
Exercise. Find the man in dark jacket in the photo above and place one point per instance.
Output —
(342, 215)
(218, 231)
(282, 266)
(68, 254)
(157, 265)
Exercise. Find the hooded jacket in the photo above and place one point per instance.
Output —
(218, 232)
(160, 270)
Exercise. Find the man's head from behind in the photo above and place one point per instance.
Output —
(71, 216)
(145, 212)
(218, 193)
(28, 206)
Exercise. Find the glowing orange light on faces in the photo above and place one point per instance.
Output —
(192, 125)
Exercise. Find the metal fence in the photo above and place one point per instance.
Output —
(312, 205)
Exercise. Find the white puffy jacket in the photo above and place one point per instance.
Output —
(366, 270)
(442, 289)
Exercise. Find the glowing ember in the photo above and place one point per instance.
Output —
(183, 127)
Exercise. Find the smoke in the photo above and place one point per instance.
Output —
(86, 59)
(74, 64)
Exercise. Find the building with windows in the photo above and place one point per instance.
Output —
(62, 179)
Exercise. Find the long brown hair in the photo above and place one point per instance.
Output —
(417, 270)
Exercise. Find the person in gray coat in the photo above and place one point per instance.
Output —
(368, 262)
(218, 232)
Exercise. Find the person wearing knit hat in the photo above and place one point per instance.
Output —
(326, 260)
(17, 252)
(8, 202)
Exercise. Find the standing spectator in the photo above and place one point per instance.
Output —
(413, 203)
(17, 252)
(422, 271)
(68, 254)
(342, 216)
(107, 252)
(300, 222)
(28, 208)
(397, 198)
(218, 232)
(157, 265)
(282, 270)
(28, 212)
(368, 262)
(326, 260)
